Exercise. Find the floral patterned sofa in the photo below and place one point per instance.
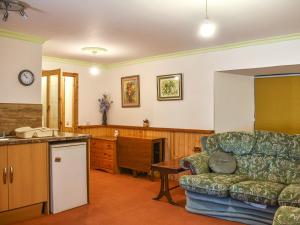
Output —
(287, 215)
(267, 174)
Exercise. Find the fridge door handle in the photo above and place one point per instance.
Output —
(57, 159)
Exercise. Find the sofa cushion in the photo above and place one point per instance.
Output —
(221, 162)
(254, 166)
(287, 215)
(262, 192)
(290, 196)
(295, 151)
(210, 183)
(275, 144)
(212, 144)
(239, 143)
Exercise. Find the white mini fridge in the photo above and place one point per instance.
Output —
(68, 176)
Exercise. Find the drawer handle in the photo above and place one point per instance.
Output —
(11, 174)
(4, 175)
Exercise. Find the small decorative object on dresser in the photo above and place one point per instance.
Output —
(130, 89)
(169, 87)
(146, 123)
(104, 104)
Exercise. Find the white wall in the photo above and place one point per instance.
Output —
(16, 55)
(234, 102)
(197, 108)
(89, 91)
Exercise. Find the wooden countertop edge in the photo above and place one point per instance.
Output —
(149, 128)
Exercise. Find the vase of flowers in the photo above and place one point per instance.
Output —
(104, 104)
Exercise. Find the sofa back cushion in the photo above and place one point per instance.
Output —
(238, 143)
(277, 144)
(269, 168)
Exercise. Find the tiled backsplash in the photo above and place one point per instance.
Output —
(14, 115)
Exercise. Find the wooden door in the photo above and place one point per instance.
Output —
(69, 88)
(4, 180)
(52, 98)
(28, 177)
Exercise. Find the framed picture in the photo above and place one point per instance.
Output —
(130, 89)
(169, 87)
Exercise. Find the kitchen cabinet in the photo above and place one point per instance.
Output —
(26, 179)
(4, 180)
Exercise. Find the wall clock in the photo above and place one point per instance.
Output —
(26, 77)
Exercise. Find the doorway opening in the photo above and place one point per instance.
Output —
(60, 100)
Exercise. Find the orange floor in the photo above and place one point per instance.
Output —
(125, 200)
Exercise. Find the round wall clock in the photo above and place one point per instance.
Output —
(26, 77)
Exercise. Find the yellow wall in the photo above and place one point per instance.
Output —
(277, 104)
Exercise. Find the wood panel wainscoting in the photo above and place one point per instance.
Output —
(178, 142)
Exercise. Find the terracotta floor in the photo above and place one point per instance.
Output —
(124, 200)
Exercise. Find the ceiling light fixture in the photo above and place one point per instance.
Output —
(207, 28)
(13, 6)
(94, 70)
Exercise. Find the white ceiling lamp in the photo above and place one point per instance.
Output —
(94, 70)
(207, 28)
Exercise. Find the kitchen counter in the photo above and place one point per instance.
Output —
(61, 136)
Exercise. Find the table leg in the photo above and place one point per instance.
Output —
(164, 189)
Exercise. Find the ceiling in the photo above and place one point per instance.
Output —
(134, 29)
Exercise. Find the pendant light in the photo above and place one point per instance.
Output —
(207, 28)
(94, 69)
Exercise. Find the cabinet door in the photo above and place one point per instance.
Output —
(28, 177)
(4, 180)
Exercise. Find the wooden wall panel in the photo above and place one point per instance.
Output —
(13, 116)
(178, 142)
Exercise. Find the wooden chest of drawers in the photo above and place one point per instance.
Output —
(103, 154)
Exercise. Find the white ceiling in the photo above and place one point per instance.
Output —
(132, 29)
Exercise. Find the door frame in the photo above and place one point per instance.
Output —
(75, 102)
(48, 73)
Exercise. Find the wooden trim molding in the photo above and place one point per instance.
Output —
(196, 131)
(178, 142)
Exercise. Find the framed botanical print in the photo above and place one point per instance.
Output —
(130, 89)
(169, 87)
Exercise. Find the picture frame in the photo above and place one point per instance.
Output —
(169, 87)
(130, 91)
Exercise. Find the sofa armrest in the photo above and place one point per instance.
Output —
(290, 196)
(287, 215)
(197, 163)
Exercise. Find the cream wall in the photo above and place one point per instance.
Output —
(16, 55)
(89, 91)
(233, 102)
(197, 108)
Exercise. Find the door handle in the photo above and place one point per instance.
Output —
(4, 175)
(11, 174)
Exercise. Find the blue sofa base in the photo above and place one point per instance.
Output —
(228, 209)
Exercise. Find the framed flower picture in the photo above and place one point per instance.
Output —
(130, 89)
(169, 87)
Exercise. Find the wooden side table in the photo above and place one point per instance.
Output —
(166, 168)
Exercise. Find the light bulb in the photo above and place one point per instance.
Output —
(94, 71)
(207, 29)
